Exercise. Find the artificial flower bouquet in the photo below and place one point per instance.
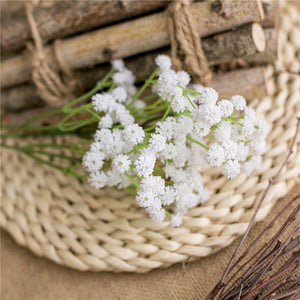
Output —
(155, 141)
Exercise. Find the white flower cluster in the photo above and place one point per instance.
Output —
(163, 165)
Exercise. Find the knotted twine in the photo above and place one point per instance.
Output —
(186, 50)
(52, 88)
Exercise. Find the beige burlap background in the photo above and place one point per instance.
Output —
(27, 277)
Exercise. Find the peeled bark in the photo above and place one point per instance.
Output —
(133, 37)
(65, 18)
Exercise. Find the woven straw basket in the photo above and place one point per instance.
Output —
(74, 225)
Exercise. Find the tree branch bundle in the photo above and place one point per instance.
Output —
(229, 31)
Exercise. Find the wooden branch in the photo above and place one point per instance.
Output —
(271, 12)
(65, 18)
(271, 52)
(133, 37)
(249, 82)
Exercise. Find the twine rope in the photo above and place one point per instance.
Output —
(186, 50)
(52, 88)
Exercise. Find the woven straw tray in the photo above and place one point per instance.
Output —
(72, 224)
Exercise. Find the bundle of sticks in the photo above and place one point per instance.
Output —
(234, 34)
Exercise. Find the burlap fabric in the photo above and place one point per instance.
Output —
(25, 276)
(74, 225)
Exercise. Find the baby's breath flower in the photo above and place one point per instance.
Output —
(121, 163)
(226, 107)
(167, 82)
(157, 142)
(239, 102)
(183, 78)
(231, 169)
(162, 158)
(93, 161)
(176, 220)
(118, 64)
(208, 96)
(144, 165)
(252, 164)
(134, 134)
(163, 62)
(215, 156)
(106, 122)
(98, 179)
(119, 94)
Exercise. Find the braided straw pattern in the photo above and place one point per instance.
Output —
(72, 224)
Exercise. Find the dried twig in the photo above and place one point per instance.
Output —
(262, 265)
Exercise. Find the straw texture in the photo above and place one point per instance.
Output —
(74, 225)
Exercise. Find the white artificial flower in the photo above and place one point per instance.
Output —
(181, 156)
(242, 152)
(201, 128)
(223, 131)
(103, 102)
(124, 116)
(138, 104)
(226, 108)
(157, 216)
(118, 64)
(144, 199)
(103, 134)
(208, 96)
(167, 81)
(179, 102)
(119, 94)
(169, 152)
(252, 164)
(215, 156)
(230, 149)
(212, 113)
(249, 121)
(170, 195)
(93, 161)
(98, 180)
(106, 122)
(134, 134)
(231, 169)
(157, 142)
(183, 78)
(163, 62)
(153, 184)
(185, 125)
(166, 128)
(258, 146)
(239, 102)
(124, 78)
(236, 133)
(144, 165)
(121, 163)
(176, 220)
(262, 128)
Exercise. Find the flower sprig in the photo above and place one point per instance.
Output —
(156, 145)
(161, 160)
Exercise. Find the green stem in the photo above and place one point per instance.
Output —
(145, 85)
(132, 180)
(167, 111)
(197, 142)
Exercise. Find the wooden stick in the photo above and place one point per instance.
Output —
(271, 12)
(133, 37)
(247, 82)
(271, 52)
(65, 18)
